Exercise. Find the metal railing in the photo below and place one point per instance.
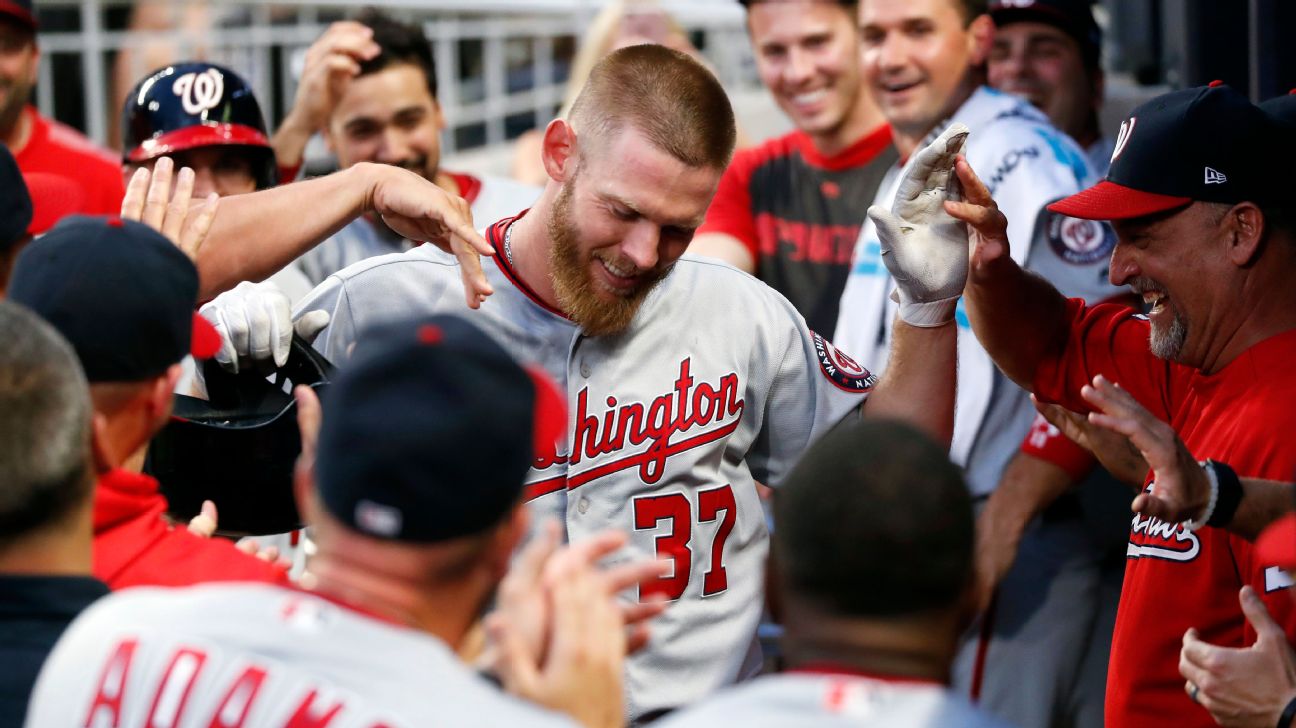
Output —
(501, 64)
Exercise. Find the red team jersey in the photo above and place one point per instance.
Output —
(1175, 578)
(798, 212)
(135, 546)
(60, 150)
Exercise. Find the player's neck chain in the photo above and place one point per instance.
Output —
(508, 244)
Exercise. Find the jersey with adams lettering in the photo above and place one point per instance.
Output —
(490, 198)
(831, 699)
(1026, 164)
(257, 655)
(716, 383)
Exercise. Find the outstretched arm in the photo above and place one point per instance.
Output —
(1018, 317)
(256, 234)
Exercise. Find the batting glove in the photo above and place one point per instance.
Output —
(923, 246)
(256, 326)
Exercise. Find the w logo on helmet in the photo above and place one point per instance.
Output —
(1123, 137)
(199, 92)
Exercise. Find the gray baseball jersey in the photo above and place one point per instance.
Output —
(716, 383)
(491, 199)
(831, 699)
(1026, 164)
(258, 655)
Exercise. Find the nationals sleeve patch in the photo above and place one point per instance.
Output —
(840, 369)
(1080, 241)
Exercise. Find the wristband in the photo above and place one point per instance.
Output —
(1285, 720)
(1230, 493)
(1201, 521)
(926, 315)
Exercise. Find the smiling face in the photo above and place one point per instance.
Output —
(1045, 65)
(389, 117)
(618, 224)
(1170, 259)
(807, 54)
(921, 59)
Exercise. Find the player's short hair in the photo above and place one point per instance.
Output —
(875, 522)
(972, 9)
(44, 426)
(399, 43)
(665, 95)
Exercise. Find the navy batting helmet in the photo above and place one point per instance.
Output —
(238, 447)
(193, 105)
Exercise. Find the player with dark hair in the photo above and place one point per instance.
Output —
(1199, 201)
(787, 210)
(874, 584)
(370, 87)
(412, 538)
(687, 380)
(45, 501)
(1049, 51)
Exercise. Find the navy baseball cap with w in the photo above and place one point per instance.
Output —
(429, 432)
(1205, 144)
(119, 292)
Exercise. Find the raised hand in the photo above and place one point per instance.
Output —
(923, 247)
(987, 227)
(1180, 488)
(331, 62)
(149, 199)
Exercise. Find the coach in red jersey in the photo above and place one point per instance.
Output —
(43, 145)
(1196, 196)
(788, 211)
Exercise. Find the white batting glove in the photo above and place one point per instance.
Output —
(923, 246)
(256, 326)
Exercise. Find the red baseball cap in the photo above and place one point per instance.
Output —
(1205, 144)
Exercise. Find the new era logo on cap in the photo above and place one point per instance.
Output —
(377, 519)
(1184, 138)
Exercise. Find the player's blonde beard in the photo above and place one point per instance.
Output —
(572, 281)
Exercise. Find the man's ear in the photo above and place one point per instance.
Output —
(1244, 228)
(304, 489)
(558, 150)
(163, 391)
(981, 37)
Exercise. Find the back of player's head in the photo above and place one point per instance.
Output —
(672, 100)
(874, 522)
(398, 43)
(44, 426)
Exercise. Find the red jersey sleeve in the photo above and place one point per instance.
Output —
(1271, 583)
(731, 209)
(1111, 340)
(1047, 443)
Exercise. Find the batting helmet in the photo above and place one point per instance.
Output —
(237, 448)
(193, 105)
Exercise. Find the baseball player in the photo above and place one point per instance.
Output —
(406, 559)
(873, 585)
(922, 83)
(370, 87)
(788, 210)
(1196, 196)
(686, 380)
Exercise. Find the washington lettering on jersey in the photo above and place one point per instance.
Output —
(680, 410)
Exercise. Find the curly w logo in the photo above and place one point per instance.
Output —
(199, 92)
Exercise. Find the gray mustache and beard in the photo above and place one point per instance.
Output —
(572, 280)
(1164, 342)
